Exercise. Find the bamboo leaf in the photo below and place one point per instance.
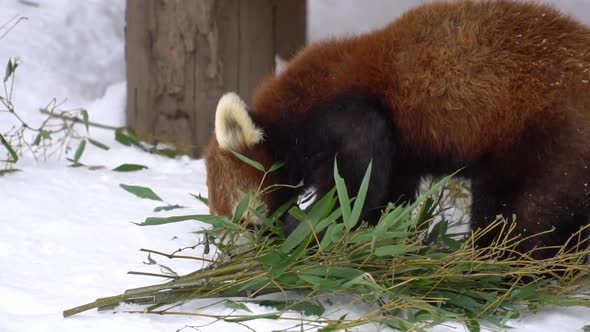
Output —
(9, 171)
(306, 307)
(168, 208)
(396, 249)
(152, 221)
(10, 69)
(333, 234)
(13, 154)
(79, 152)
(200, 198)
(472, 323)
(297, 236)
(170, 153)
(43, 134)
(85, 118)
(98, 144)
(322, 207)
(217, 221)
(241, 208)
(236, 305)
(127, 136)
(342, 196)
(318, 211)
(360, 199)
(327, 285)
(252, 317)
(129, 168)
(339, 272)
(255, 284)
(141, 192)
(249, 161)
(276, 166)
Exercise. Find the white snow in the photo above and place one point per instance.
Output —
(66, 236)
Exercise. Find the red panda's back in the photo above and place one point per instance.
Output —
(475, 75)
(464, 77)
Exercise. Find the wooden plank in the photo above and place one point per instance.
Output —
(182, 55)
(290, 27)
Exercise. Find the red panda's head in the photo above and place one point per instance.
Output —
(228, 178)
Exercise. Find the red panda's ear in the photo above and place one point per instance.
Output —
(234, 129)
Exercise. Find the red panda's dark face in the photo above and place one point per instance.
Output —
(228, 178)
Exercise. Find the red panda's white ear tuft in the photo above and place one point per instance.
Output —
(234, 128)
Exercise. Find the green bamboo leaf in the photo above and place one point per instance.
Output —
(153, 221)
(150, 260)
(9, 171)
(241, 208)
(141, 192)
(168, 208)
(334, 327)
(330, 328)
(323, 284)
(398, 324)
(219, 221)
(121, 137)
(10, 68)
(166, 152)
(342, 195)
(252, 285)
(329, 220)
(129, 168)
(306, 307)
(252, 317)
(396, 249)
(300, 250)
(472, 323)
(333, 234)
(249, 161)
(236, 305)
(407, 210)
(276, 262)
(8, 147)
(360, 199)
(282, 209)
(200, 198)
(167, 270)
(79, 152)
(276, 166)
(323, 207)
(43, 134)
(98, 144)
(334, 271)
(318, 211)
(297, 236)
(127, 136)
(529, 290)
(85, 118)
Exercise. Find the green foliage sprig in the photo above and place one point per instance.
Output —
(410, 270)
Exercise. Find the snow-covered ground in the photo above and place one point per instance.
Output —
(65, 233)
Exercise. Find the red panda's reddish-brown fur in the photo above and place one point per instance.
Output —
(443, 88)
(499, 87)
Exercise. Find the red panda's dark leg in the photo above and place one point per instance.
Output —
(492, 197)
(559, 199)
(556, 196)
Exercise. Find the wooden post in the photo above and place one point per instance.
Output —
(182, 55)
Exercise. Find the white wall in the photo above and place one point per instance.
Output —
(337, 17)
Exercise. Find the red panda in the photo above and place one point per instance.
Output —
(499, 89)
